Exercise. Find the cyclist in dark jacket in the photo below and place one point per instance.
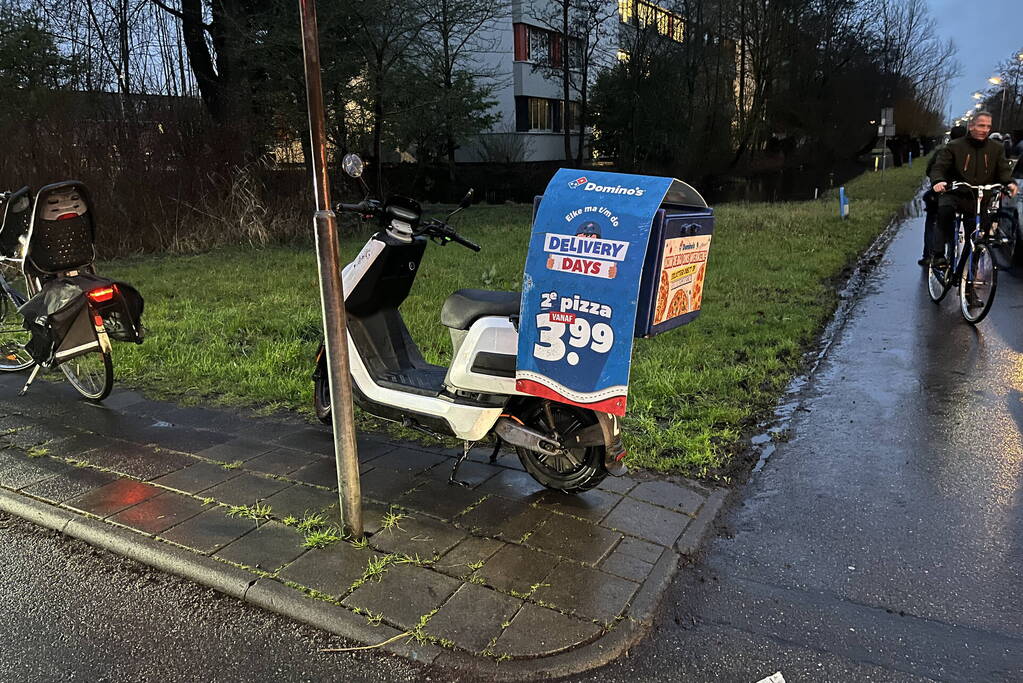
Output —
(973, 159)
(931, 197)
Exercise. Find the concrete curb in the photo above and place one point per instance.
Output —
(36, 512)
(274, 596)
(132, 545)
(691, 539)
(264, 593)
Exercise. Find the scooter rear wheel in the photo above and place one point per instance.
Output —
(321, 391)
(576, 469)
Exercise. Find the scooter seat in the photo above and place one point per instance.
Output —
(466, 306)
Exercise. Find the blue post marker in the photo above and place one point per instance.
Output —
(911, 160)
(843, 203)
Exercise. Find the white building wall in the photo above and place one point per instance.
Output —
(511, 79)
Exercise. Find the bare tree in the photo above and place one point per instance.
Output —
(457, 33)
(386, 31)
(583, 37)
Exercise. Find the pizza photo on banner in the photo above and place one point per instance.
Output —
(683, 270)
(581, 286)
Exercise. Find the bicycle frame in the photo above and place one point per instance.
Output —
(964, 244)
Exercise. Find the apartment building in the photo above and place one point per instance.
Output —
(526, 61)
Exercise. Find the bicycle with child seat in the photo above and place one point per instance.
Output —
(59, 241)
(969, 264)
(14, 228)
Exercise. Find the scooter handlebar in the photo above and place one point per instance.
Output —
(455, 237)
(444, 233)
(367, 207)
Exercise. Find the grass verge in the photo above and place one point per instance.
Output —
(240, 325)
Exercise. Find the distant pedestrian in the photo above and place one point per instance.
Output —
(930, 196)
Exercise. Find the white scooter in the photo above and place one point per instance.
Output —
(562, 446)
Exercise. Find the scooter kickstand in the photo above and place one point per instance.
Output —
(497, 450)
(466, 447)
(31, 378)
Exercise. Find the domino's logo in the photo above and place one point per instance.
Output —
(578, 182)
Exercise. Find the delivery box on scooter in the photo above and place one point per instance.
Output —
(675, 266)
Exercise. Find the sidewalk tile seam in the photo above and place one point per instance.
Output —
(691, 515)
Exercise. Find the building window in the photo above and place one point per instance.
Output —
(543, 115)
(540, 46)
(643, 14)
(575, 53)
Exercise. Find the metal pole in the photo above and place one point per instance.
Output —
(331, 294)
(1001, 113)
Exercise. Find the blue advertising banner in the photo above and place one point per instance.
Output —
(581, 284)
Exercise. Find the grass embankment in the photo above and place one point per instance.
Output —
(241, 325)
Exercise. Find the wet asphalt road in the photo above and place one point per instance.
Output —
(884, 540)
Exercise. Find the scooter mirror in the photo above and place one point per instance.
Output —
(466, 200)
(352, 164)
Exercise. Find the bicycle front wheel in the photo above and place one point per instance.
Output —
(13, 335)
(92, 374)
(978, 284)
(939, 280)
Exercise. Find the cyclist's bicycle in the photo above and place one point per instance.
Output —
(970, 265)
(14, 227)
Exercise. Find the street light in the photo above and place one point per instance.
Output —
(997, 80)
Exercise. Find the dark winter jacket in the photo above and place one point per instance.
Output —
(967, 160)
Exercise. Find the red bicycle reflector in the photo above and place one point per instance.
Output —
(102, 294)
(97, 320)
(67, 216)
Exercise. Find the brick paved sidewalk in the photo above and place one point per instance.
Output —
(504, 570)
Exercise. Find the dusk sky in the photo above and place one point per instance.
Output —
(986, 34)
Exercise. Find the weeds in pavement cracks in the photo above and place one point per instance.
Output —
(290, 520)
(232, 465)
(375, 568)
(418, 633)
(470, 508)
(312, 522)
(255, 512)
(37, 452)
(391, 520)
(321, 538)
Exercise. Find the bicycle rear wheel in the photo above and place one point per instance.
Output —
(13, 335)
(92, 374)
(978, 284)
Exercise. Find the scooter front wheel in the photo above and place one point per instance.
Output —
(574, 470)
